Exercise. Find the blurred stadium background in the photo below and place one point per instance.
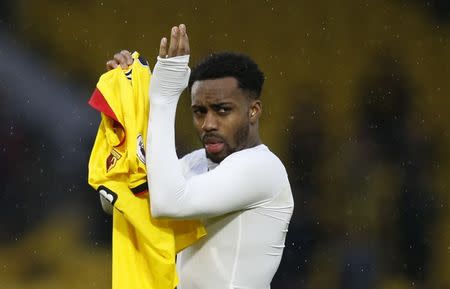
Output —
(356, 104)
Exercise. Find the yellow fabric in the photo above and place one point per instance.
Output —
(144, 248)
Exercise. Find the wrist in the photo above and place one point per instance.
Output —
(181, 60)
(170, 77)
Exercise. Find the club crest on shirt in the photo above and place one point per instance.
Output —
(112, 159)
(140, 149)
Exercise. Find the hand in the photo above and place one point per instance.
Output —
(122, 58)
(171, 72)
(179, 43)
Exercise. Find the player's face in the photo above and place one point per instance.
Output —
(221, 116)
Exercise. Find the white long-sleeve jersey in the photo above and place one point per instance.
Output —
(245, 202)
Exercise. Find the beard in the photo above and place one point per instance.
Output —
(238, 142)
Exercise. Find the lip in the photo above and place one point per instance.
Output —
(213, 144)
(214, 148)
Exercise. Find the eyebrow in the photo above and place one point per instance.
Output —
(221, 104)
(212, 105)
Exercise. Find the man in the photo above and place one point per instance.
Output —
(235, 184)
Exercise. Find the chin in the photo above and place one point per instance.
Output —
(216, 158)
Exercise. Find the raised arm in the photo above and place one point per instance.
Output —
(239, 182)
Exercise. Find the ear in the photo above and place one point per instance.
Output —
(255, 111)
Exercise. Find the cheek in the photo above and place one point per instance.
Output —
(197, 124)
(238, 130)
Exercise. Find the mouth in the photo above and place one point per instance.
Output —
(213, 145)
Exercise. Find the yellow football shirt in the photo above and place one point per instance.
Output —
(144, 248)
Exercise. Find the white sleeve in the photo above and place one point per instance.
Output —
(239, 182)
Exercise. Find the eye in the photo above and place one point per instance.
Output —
(223, 110)
(198, 111)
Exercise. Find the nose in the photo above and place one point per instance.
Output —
(209, 122)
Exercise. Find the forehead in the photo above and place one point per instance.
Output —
(216, 90)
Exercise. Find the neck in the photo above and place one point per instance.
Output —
(253, 141)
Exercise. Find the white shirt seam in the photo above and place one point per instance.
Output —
(238, 249)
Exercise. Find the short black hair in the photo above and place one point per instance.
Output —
(226, 64)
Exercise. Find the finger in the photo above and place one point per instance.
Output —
(183, 47)
(174, 39)
(121, 60)
(128, 57)
(111, 64)
(163, 48)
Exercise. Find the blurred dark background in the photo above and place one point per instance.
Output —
(356, 104)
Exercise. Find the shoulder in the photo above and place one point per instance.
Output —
(260, 153)
(194, 156)
(258, 168)
(194, 162)
(259, 158)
